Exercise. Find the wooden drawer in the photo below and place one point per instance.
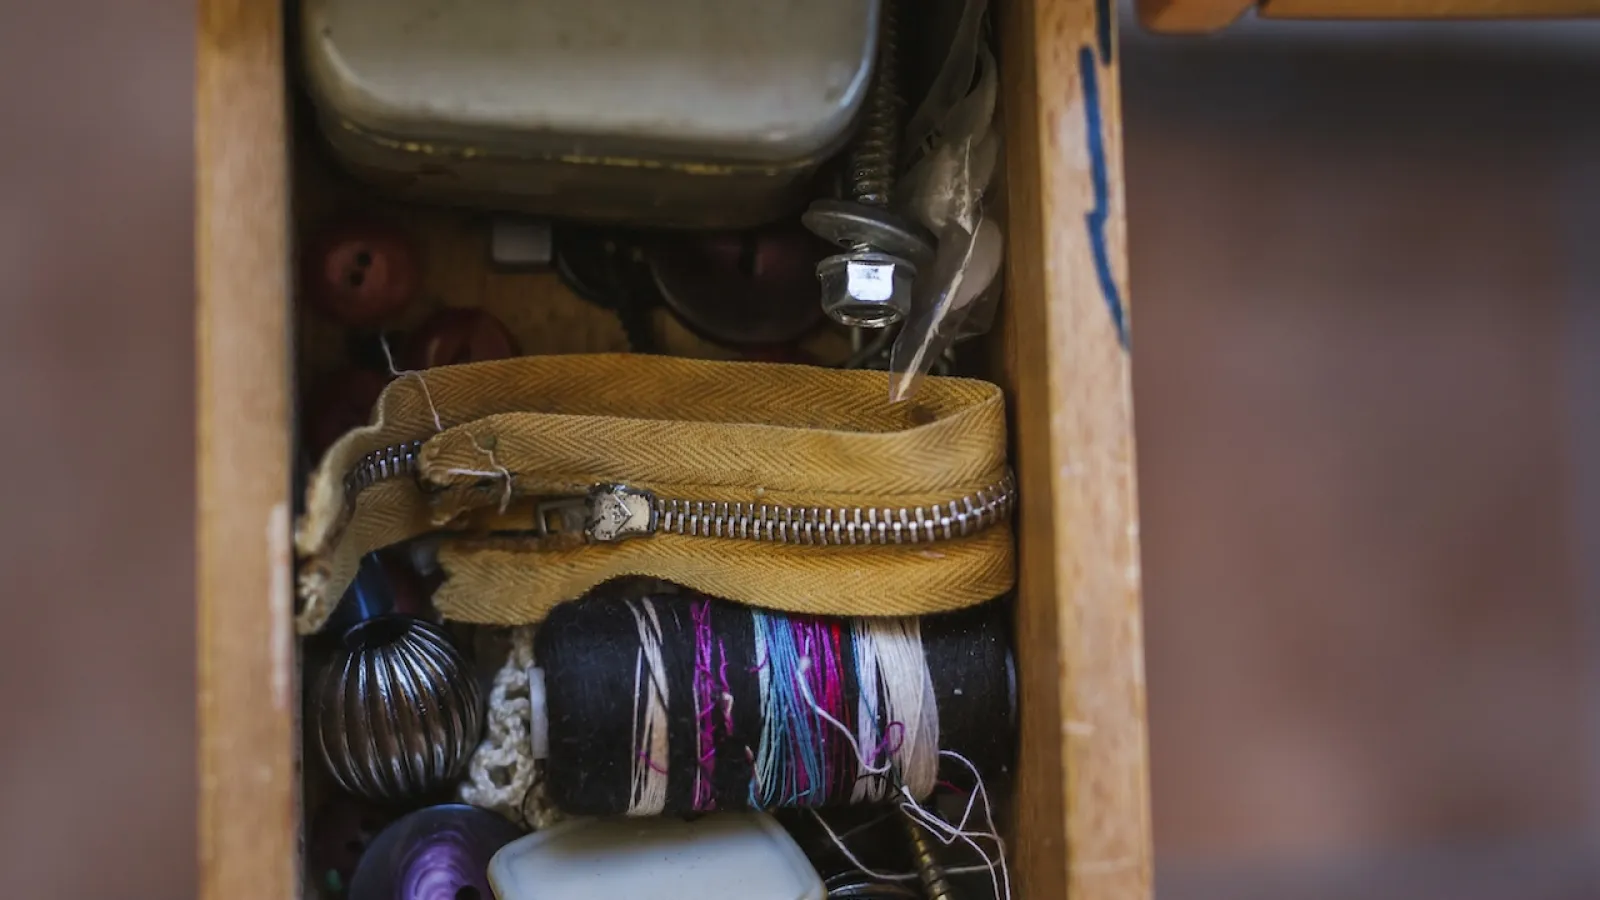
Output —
(1081, 812)
(1200, 16)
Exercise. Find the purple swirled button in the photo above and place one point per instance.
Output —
(437, 853)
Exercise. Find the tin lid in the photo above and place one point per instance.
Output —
(741, 81)
(727, 856)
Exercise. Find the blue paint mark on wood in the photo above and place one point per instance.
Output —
(1102, 30)
(1101, 178)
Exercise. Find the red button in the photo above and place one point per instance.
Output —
(361, 274)
(456, 335)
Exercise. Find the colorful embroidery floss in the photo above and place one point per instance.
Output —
(684, 704)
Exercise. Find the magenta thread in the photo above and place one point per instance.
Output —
(727, 689)
(684, 705)
(819, 643)
(894, 736)
(652, 764)
(705, 691)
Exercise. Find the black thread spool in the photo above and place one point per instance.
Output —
(590, 654)
(397, 710)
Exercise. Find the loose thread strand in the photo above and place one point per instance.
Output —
(388, 355)
(999, 873)
(844, 849)
(499, 472)
(649, 794)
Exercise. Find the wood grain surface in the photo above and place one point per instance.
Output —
(1200, 16)
(249, 816)
(1429, 9)
(1190, 16)
(1082, 806)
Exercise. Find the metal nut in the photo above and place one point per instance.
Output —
(866, 289)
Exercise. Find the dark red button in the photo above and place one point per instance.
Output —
(361, 274)
(412, 593)
(456, 335)
(742, 288)
(339, 403)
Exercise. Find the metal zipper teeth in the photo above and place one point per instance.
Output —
(771, 523)
(393, 461)
(836, 526)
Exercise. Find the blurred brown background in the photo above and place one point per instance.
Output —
(97, 753)
(1368, 330)
(1367, 292)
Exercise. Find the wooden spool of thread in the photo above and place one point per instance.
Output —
(681, 704)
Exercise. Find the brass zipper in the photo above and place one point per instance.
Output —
(607, 513)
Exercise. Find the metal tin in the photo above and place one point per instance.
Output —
(703, 113)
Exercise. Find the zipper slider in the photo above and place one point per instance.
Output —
(606, 514)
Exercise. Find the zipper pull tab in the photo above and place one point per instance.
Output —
(606, 514)
(618, 512)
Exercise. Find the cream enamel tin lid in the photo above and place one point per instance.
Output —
(722, 856)
(739, 81)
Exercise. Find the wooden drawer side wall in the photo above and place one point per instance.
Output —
(249, 816)
(1081, 821)
(1082, 804)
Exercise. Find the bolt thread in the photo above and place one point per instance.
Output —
(934, 881)
(875, 154)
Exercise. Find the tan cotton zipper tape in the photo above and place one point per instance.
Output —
(755, 433)
(497, 582)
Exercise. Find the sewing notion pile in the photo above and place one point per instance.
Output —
(654, 537)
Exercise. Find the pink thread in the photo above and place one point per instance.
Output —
(894, 737)
(819, 642)
(645, 755)
(705, 794)
(844, 762)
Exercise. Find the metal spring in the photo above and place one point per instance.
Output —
(875, 155)
(935, 884)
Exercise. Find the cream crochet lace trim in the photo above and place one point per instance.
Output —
(502, 775)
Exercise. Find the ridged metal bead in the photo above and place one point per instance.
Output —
(398, 713)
